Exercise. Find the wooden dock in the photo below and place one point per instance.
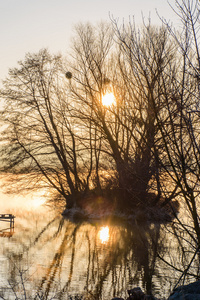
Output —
(7, 218)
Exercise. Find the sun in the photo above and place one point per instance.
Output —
(104, 234)
(108, 99)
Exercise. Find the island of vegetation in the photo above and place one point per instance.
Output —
(114, 126)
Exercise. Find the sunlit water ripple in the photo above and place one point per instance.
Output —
(52, 256)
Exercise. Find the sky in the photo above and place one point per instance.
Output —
(29, 25)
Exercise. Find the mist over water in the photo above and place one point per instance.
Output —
(59, 258)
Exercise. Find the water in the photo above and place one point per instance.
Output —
(49, 257)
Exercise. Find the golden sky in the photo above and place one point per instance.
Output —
(28, 26)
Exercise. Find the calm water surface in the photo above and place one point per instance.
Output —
(49, 257)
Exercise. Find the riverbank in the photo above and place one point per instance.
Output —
(184, 292)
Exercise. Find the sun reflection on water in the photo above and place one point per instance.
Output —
(104, 234)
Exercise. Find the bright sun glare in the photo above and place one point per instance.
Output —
(108, 99)
(104, 234)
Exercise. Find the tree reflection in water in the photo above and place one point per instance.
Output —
(100, 260)
(184, 257)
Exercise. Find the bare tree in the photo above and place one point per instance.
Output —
(180, 128)
(40, 139)
(145, 59)
(133, 65)
(61, 133)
